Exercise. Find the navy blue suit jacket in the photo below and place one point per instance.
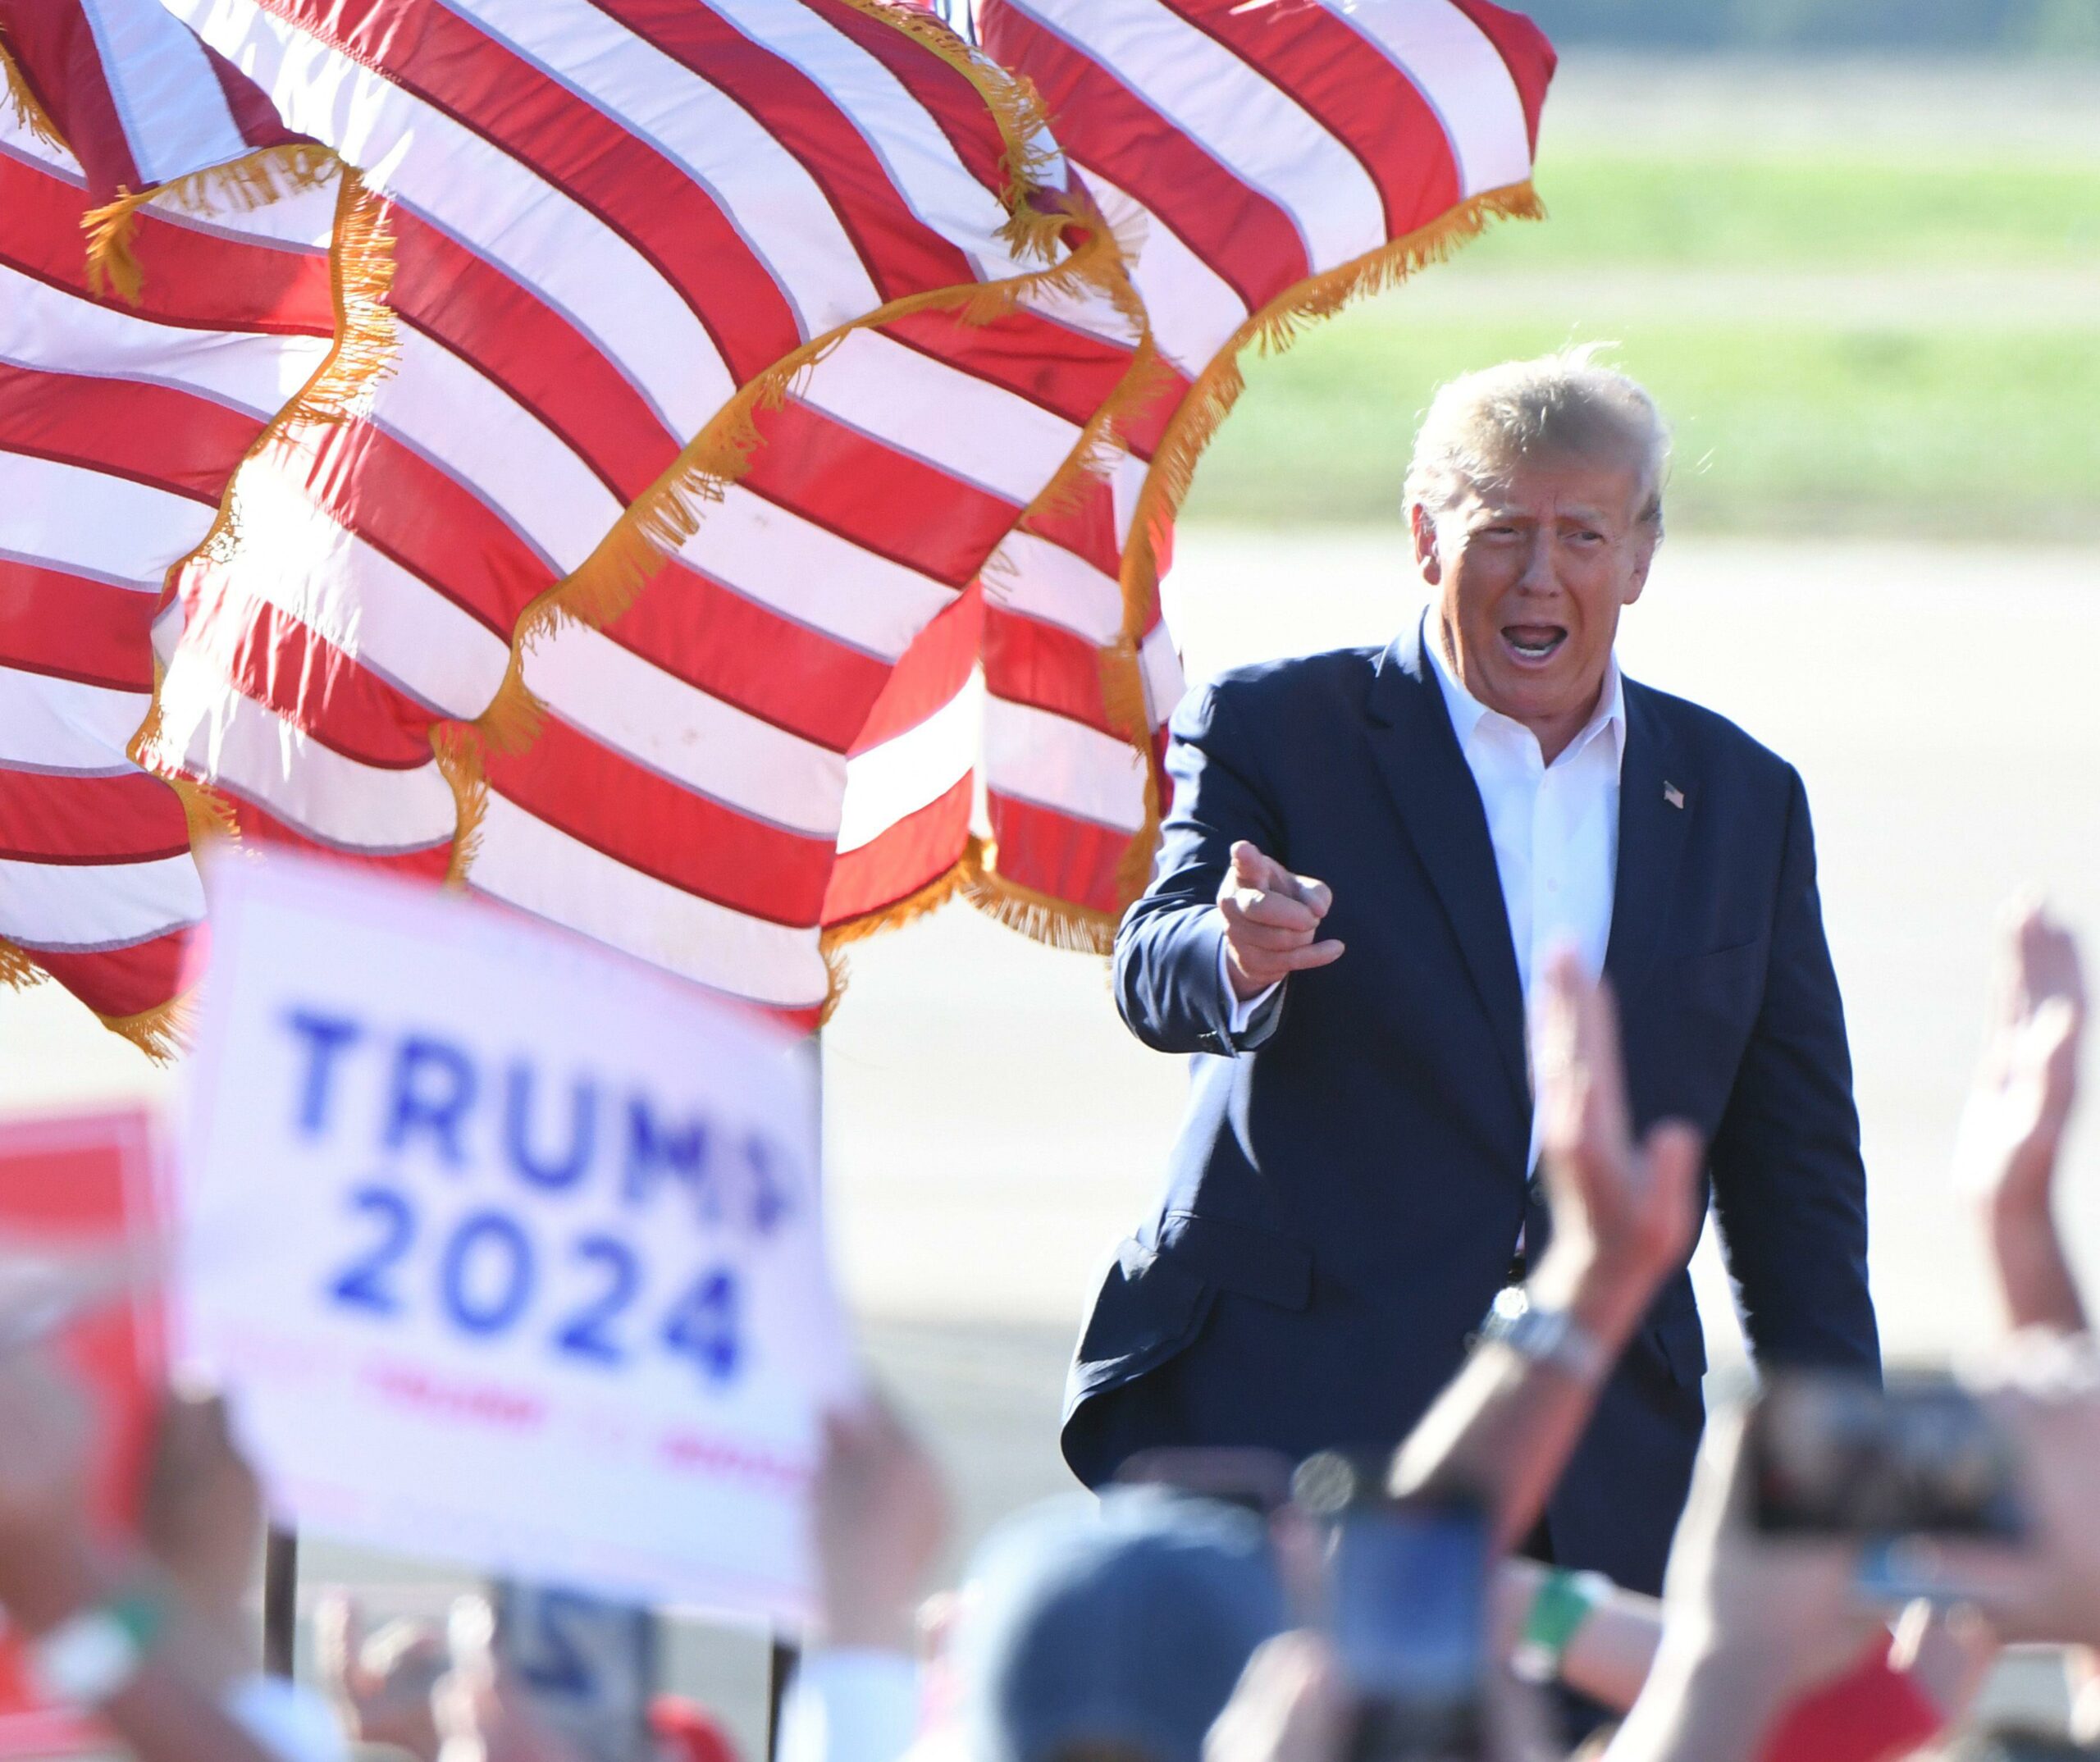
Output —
(1350, 1179)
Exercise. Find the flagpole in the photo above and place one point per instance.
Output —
(781, 1660)
(784, 1654)
(280, 1600)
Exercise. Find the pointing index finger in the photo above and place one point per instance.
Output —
(1253, 868)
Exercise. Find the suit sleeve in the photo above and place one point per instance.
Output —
(1788, 1182)
(1170, 946)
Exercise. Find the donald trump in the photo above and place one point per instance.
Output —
(1370, 853)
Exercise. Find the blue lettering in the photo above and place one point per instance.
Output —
(769, 1203)
(324, 1037)
(567, 1169)
(484, 1306)
(433, 1087)
(706, 1325)
(654, 1151)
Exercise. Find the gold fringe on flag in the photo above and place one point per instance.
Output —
(18, 968)
(162, 1032)
(456, 745)
(913, 905)
(837, 972)
(240, 185)
(1038, 916)
(208, 815)
(1209, 400)
(23, 106)
(1032, 157)
(1102, 442)
(361, 270)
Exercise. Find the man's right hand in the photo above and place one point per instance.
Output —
(1271, 917)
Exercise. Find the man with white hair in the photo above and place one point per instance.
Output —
(1370, 855)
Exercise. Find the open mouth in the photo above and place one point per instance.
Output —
(1533, 645)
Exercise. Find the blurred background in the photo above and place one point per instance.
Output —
(1854, 248)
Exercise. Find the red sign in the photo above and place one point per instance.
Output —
(74, 1183)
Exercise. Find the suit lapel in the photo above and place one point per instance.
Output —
(1657, 797)
(1440, 806)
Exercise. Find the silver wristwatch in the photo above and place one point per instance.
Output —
(1546, 1337)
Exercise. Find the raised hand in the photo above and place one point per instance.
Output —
(1271, 918)
(383, 1687)
(1623, 1222)
(1627, 1208)
(880, 1515)
(2012, 1128)
(2014, 1123)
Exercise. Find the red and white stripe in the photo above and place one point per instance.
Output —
(1245, 152)
(137, 97)
(609, 215)
(119, 426)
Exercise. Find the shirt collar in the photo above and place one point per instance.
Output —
(1467, 712)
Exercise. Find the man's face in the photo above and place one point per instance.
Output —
(1530, 576)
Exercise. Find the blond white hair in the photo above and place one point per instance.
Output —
(1569, 404)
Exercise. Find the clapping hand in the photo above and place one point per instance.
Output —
(1271, 917)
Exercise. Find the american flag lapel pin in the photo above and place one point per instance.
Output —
(1673, 795)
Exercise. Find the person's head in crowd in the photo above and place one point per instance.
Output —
(1534, 500)
(1114, 1636)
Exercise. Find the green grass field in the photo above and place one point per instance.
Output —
(1795, 211)
(1844, 346)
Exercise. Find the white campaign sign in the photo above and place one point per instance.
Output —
(508, 1250)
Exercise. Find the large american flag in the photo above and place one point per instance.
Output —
(121, 422)
(756, 539)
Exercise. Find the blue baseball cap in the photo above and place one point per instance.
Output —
(1127, 1624)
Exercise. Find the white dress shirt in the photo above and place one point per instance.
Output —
(1554, 827)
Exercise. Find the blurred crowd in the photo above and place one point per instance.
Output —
(1852, 1564)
